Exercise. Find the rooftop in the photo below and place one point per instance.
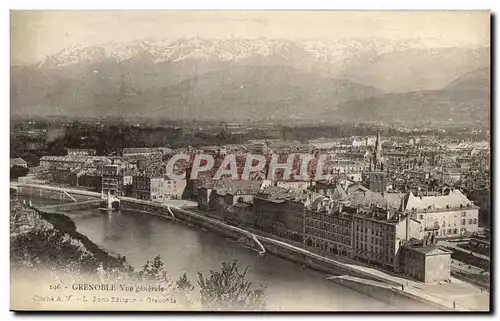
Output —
(431, 249)
(454, 199)
(17, 161)
(236, 187)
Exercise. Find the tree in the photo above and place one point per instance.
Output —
(56, 148)
(154, 272)
(229, 290)
(184, 284)
(183, 290)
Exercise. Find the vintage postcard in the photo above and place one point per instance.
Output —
(250, 161)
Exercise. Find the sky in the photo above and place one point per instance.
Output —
(36, 34)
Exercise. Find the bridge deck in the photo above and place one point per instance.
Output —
(49, 207)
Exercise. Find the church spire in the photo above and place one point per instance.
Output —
(378, 161)
(378, 147)
(377, 176)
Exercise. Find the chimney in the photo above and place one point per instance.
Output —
(433, 239)
(407, 226)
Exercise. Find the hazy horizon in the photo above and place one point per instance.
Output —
(37, 34)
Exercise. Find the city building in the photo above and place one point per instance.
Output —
(347, 168)
(231, 201)
(331, 225)
(143, 151)
(63, 175)
(448, 215)
(112, 181)
(377, 174)
(425, 261)
(48, 162)
(82, 152)
(378, 234)
(453, 175)
(157, 188)
(280, 212)
(480, 244)
(117, 177)
(368, 234)
(90, 180)
(288, 184)
(141, 187)
(163, 189)
(18, 162)
(327, 228)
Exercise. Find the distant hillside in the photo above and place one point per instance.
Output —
(475, 81)
(234, 93)
(466, 99)
(417, 69)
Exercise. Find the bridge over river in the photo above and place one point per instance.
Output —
(72, 206)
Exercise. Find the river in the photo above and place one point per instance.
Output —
(183, 248)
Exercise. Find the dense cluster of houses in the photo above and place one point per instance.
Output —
(386, 203)
(392, 230)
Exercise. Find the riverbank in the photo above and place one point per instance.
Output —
(465, 297)
(51, 241)
(415, 292)
(427, 294)
(51, 263)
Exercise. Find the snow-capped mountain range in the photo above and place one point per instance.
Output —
(239, 78)
(338, 52)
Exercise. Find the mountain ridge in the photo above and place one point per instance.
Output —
(224, 49)
(463, 100)
(278, 78)
(243, 91)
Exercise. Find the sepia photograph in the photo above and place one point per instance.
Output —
(271, 161)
